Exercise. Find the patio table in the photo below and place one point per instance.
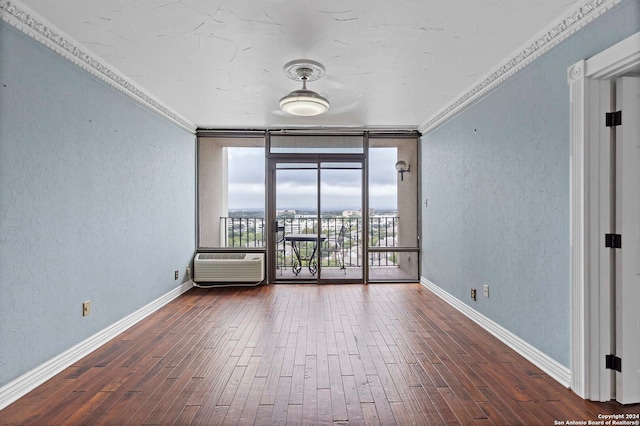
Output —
(312, 262)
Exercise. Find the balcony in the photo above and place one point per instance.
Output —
(343, 262)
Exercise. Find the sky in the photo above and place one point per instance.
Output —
(296, 189)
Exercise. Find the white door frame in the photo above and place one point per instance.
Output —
(590, 303)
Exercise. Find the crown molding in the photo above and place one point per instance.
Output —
(568, 23)
(25, 20)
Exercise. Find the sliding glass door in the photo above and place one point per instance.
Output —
(317, 220)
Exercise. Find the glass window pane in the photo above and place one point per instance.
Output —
(231, 192)
(393, 266)
(341, 223)
(393, 198)
(297, 223)
(341, 166)
(305, 144)
(296, 166)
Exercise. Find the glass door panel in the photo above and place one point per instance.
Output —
(296, 217)
(341, 222)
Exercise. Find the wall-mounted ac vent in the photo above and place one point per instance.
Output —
(228, 268)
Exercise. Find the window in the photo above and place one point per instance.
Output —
(231, 192)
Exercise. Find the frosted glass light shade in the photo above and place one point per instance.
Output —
(304, 103)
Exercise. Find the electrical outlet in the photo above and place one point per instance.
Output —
(188, 272)
(86, 308)
(473, 294)
(175, 275)
(486, 291)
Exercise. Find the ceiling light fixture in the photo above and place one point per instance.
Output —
(304, 102)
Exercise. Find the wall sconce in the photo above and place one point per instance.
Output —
(402, 168)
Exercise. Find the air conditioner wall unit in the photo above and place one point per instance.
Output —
(227, 268)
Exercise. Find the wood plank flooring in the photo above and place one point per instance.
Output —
(304, 354)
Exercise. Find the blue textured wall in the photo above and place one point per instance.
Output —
(497, 181)
(96, 203)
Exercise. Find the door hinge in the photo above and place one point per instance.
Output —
(613, 240)
(613, 363)
(613, 119)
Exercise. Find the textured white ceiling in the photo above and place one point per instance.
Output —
(219, 63)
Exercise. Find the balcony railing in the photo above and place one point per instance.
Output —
(240, 232)
(243, 231)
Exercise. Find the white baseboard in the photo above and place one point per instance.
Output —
(550, 366)
(34, 378)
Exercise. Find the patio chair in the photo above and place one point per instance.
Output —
(335, 247)
(280, 248)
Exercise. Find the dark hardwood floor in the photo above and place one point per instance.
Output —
(304, 354)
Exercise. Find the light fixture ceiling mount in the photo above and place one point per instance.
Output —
(304, 102)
